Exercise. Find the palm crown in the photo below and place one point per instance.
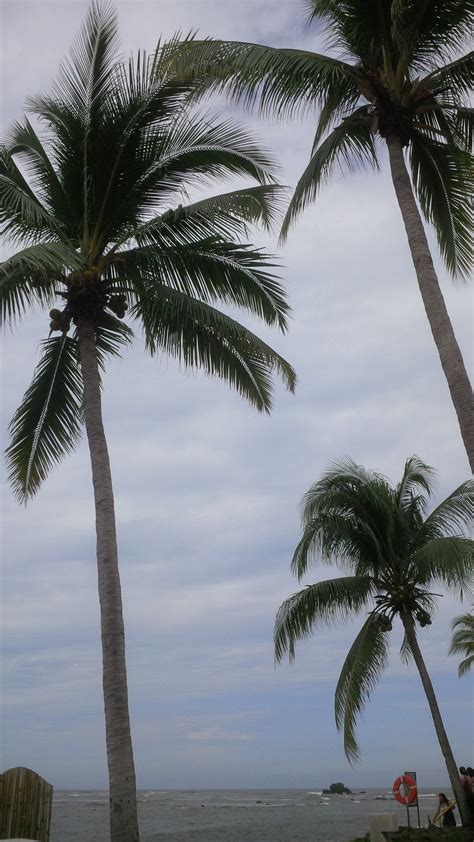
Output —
(394, 69)
(394, 556)
(102, 210)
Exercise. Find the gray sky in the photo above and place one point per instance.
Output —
(208, 491)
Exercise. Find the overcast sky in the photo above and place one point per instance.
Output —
(207, 491)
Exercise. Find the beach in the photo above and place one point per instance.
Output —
(276, 815)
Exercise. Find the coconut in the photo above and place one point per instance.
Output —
(55, 324)
(55, 314)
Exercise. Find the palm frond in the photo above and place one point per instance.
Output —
(443, 179)
(145, 104)
(200, 336)
(216, 270)
(24, 142)
(84, 79)
(406, 653)
(464, 121)
(465, 665)
(31, 275)
(350, 144)
(356, 29)
(448, 560)
(416, 475)
(112, 335)
(225, 216)
(240, 208)
(348, 519)
(360, 674)
(202, 149)
(322, 603)
(339, 102)
(462, 642)
(47, 424)
(453, 516)
(455, 79)
(336, 535)
(22, 216)
(437, 30)
(285, 82)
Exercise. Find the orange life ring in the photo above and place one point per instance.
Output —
(410, 789)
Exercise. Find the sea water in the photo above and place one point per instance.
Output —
(271, 815)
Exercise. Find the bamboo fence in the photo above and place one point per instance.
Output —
(25, 805)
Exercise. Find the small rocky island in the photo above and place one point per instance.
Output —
(337, 789)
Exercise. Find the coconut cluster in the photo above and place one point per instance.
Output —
(423, 618)
(60, 320)
(118, 305)
(86, 299)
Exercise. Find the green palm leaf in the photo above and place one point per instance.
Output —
(24, 143)
(22, 216)
(47, 424)
(443, 178)
(325, 602)
(225, 216)
(365, 662)
(416, 476)
(462, 642)
(465, 125)
(215, 270)
(342, 516)
(30, 276)
(454, 79)
(112, 336)
(285, 81)
(448, 560)
(200, 336)
(350, 144)
(453, 515)
(84, 79)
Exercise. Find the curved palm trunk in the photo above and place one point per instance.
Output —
(458, 790)
(123, 803)
(441, 327)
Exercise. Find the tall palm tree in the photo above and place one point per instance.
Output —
(96, 205)
(395, 77)
(462, 642)
(392, 557)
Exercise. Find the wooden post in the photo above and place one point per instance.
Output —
(26, 801)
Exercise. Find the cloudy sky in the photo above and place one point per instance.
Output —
(207, 491)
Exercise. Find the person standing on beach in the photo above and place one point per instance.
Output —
(445, 812)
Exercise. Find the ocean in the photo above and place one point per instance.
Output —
(270, 815)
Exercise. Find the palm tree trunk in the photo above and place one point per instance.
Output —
(122, 786)
(458, 790)
(441, 327)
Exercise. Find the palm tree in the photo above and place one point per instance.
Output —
(96, 207)
(393, 556)
(462, 642)
(394, 77)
